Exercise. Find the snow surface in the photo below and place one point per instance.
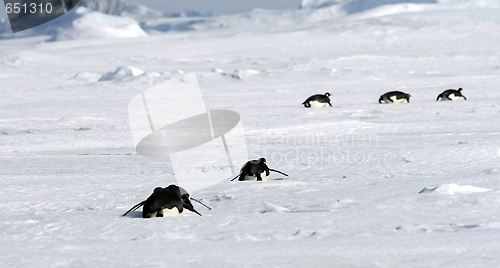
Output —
(69, 170)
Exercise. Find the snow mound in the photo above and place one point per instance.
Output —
(121, 8)
(453, 189)
(363, 9)
(171, 24)
(87, 24)
(471, 4)
(121, 73)
(138, 12)
(390, 10)
(81, 23)
(355, 6)
(268, 207)
(242, 74)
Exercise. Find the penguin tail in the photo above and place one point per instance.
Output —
(134, 208)
(278, 172)
(438, 97)
(380, 100)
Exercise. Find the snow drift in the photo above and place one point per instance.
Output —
(84, 23)
(121, 73)
(453, 189)
(121, 8)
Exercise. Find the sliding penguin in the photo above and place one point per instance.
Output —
(168, 201)
(318, 101)
(255, 170)
(395, 97)
(451, 95)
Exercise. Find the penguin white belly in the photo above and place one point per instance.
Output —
(166, 213)
(254, 178)
(317, 104)
(455, 98)
(171, 212)
(395, 100)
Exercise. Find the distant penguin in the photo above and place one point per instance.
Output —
(255, 170)
(168, 201)
(395, 97)
(318, 101)
(451, 95)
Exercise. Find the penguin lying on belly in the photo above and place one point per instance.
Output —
(451, 95)
(395, 97)
(255, 170)
(168, 201)
(318, 101)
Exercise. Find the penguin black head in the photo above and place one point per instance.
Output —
(327, 94)
(460, 90)
(186, 203)
(157, 189)
(262, 160)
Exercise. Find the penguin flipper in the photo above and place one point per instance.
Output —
(278, 171)
(330, 104)
(464, 97)
(134, 208)
(235, 178)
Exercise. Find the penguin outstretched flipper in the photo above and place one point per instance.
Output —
(134, 208)
(278, 171)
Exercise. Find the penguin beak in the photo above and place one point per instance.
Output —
(189, 206)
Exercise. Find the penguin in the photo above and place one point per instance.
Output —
(318, 101)
(255, 170)
(451, 95)
(395, 97)
(168, 201)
